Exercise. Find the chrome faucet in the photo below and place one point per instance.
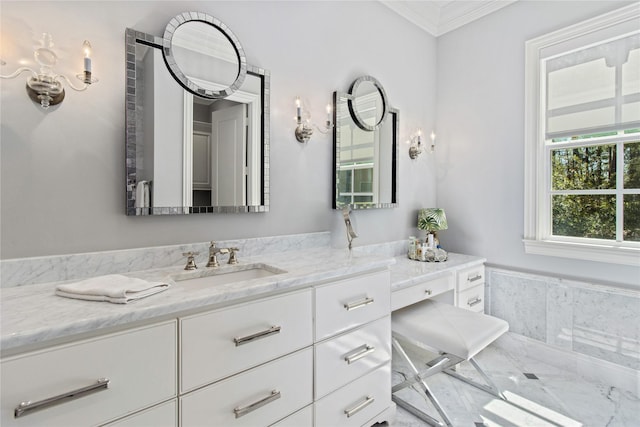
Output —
(213, 255)
(351, 234)
(232, 255)
(191, 262)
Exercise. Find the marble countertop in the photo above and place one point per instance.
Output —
(406, 272)
(34, 315)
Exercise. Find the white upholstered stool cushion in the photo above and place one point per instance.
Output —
(446, 328)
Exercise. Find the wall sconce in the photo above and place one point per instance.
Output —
(415, 145)
(304, 130)
(45, 87)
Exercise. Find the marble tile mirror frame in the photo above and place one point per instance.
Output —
(135, 40)
(377, 124)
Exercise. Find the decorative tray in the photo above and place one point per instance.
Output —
(431, 255)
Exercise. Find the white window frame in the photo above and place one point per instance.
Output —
(537, 231)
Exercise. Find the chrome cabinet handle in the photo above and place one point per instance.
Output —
(25, 408)
(474, 301)
(244, 410)
(363, 350)
(258, 335)
(353, 305)
(474, 278)
(359, 407)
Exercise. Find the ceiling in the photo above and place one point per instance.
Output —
(440, 16)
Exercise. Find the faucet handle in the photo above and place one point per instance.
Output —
(191, 262)
(232, 256)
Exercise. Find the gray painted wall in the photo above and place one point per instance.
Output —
(63, 170)
(480, 158)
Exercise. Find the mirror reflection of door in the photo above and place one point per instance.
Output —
(223, 148)
(201, 166)
(228, 136)
(219, 173)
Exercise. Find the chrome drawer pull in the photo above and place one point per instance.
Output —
(25, 408)
(359, 407)
(474, 301)
(241, 411)
(259, 335)
(353, 305)
(366, 349)
(474, 278)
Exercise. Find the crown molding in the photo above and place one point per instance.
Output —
(423, 14)
(458, 13)
(440, 17)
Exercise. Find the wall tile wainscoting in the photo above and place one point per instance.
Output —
(597, 326)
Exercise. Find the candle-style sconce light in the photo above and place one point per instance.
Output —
(45, 86)
(416, 144)
(304, 128)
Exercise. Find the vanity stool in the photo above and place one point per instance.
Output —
(455, 334)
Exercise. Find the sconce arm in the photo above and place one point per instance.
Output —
(76, 88)
(18, 72)
(326, 129)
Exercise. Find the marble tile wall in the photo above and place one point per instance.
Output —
(599, 321)
(26, 271)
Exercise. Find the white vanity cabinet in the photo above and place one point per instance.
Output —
(426, 289)
(217, 344)
(257, 397)
(249, 364)
(353, 350)
(163, 415)
(316, 356)
(470, 288)
(93, 381)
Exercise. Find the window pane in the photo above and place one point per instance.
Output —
(363, 179)
(632, 165)
(343, 200)
(344, 185)
(592, 216)
(358, 200)
(584, 168)
(631, 217)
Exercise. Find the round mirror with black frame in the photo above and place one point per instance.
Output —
(368, 105)
(198, 48)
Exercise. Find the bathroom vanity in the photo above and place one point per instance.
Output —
(307, 346)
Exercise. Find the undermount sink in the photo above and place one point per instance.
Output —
(225, 275)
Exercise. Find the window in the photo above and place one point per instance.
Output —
(582, 140)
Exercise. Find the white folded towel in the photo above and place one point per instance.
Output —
(142, 194)
(113, 288)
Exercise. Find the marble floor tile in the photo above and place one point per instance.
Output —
(556, 398)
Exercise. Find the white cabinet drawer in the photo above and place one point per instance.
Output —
(344, 358)
(470, 277)
(218, 344)
(472, 299)
(260, 396)
(422, 291)
(357, 402)
(165, 415)
(351, 302)
(140, 365)
(302, 418)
